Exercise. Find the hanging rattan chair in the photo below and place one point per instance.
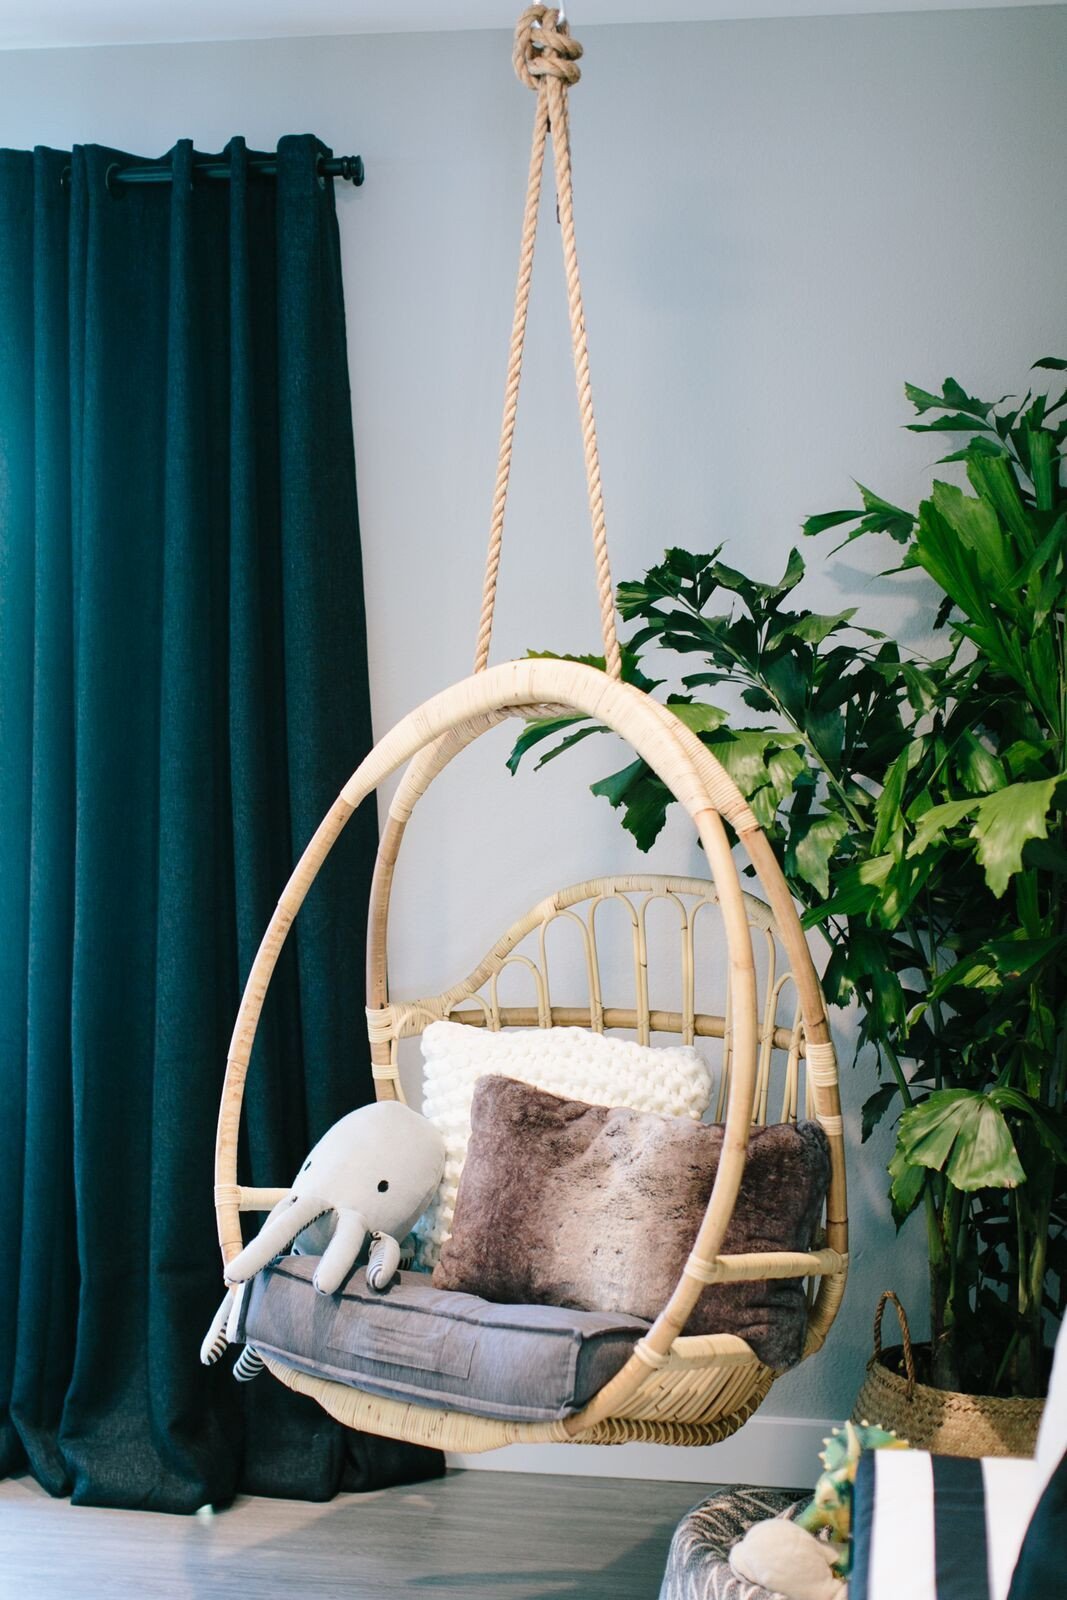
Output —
(674, 1389)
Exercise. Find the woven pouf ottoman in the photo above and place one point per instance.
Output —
(698, 1565)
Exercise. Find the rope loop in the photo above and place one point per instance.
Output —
(545, 58)
(544, 48)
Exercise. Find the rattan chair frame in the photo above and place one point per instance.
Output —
(674, 1388)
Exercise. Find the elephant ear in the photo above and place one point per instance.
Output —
(289, 1217)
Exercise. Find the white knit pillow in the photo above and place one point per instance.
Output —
(574, 1062)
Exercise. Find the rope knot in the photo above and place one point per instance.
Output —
(544, 48)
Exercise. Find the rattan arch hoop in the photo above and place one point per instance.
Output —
(674, 1389)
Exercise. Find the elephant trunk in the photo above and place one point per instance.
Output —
(289, 1217)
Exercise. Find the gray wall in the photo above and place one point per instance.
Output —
(780, 222)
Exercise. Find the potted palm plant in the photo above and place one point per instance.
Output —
(917, 805)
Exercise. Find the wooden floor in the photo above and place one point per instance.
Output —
(478, 1534)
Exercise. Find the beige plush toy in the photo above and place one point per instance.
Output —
(780, 1556)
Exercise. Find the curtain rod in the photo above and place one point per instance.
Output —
(347, 167)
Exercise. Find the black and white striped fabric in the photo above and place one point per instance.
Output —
(939, 1527)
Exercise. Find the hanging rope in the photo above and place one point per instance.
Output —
(546, 60)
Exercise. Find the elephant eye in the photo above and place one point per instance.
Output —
(383, 1186)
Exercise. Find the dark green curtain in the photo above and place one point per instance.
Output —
(183, 691)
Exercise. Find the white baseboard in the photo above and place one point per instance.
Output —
(775, 1452)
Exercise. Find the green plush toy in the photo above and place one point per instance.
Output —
(831, 1505)
(792, 1556)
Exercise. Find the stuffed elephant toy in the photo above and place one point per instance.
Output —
(780, 1556)
(372, 1174)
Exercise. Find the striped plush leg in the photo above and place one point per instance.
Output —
(215, 1340)
(249, 1365)
(383, 1262)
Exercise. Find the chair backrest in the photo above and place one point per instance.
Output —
(640, 953)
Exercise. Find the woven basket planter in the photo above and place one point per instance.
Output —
(940, 1420)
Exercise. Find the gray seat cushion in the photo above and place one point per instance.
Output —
(436, 1347)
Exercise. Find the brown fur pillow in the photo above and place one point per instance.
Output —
(563, 1203)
